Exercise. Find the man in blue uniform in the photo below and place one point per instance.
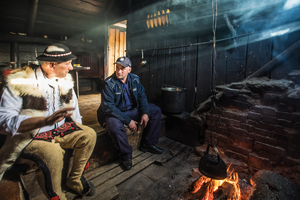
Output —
(124, 102)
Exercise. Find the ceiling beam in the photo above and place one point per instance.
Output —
(32, 17)
(108, 7)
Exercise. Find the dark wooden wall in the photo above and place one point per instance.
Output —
(88, 55)
(191, 67)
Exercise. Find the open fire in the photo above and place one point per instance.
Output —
(210, 189)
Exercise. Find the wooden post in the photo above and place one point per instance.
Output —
(111, 51)
(122, 44)
(32, 17)
(117, 44)
(15, 54)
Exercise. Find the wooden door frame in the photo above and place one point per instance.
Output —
(106, 45)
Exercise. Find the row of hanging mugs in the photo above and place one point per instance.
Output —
(158, 19)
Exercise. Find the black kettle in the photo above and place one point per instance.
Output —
(211, 165)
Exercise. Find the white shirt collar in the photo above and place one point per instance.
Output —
(42, 79)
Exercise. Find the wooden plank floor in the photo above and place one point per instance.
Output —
(106, 178)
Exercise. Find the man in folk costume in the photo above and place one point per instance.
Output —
(40, 117)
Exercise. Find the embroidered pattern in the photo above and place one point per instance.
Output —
(65, 129)
(57, 55)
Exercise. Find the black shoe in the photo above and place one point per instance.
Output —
(88, 187)
(127, 164)
(151, 148)
(93, 190)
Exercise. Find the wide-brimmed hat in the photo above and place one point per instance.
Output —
(125, 61)
(56, 53)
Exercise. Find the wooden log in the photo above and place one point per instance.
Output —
(233, 193)
(199, 183)
(225, 190)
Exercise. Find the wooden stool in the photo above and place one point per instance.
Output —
(134, 137)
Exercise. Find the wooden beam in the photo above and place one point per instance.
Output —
(111, 52)
(72, 44)
(121, 44)
(108, 7)
(76, 6)
(124, 43)
(15, 54)
(117, 44)
(32, 17)
(272, 63)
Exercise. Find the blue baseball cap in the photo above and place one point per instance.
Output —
(124, 61)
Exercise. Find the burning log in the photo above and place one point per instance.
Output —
(224, 191)
(199, 183)
(218, 189)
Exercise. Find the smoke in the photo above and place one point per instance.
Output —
(291, 4)
(264, 18)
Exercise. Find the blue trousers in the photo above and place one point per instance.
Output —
(116, 129)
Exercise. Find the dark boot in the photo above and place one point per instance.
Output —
(151, 148)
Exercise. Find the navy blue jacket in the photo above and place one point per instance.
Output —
(112, 95)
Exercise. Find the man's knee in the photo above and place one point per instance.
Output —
(114, 126)
(90, 133)
(158, 110)
(154, 110)
(88, 136)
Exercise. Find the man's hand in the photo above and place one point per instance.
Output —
(132, 125)
(144, 119)
(58, 116)
(38, 122)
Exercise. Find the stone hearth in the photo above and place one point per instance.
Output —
(258, 123)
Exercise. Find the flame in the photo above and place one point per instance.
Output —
(212, 185)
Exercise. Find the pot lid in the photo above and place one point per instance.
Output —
(172, 88)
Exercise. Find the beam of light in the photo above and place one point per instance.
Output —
(26, 81)
(291, 3)
(23, 81)
(280, 32)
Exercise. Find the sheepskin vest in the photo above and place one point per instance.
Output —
(34, 105)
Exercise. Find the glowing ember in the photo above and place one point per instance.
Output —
(229, 186)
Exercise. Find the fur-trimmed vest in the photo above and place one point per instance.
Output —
(34, 105)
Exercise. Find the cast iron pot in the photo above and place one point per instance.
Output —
(173, 99)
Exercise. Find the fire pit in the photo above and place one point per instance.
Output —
(209, 189)
(242, 183)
